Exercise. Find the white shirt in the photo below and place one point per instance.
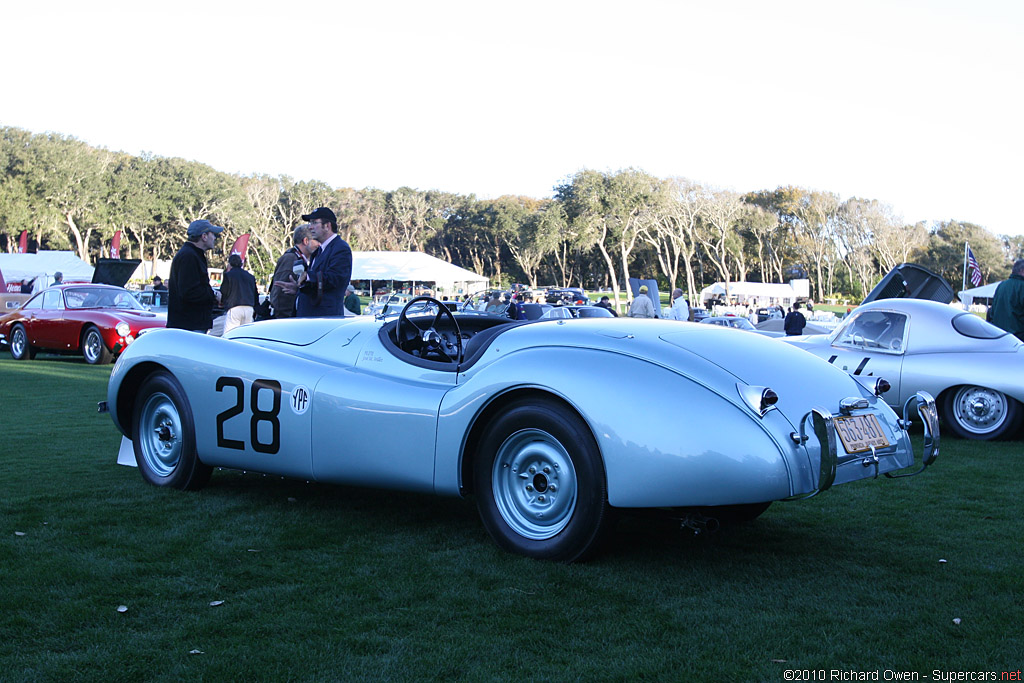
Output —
(679, 310)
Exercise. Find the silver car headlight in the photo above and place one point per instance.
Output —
(123, 329)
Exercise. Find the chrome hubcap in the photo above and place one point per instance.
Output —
(160, 434)
(980, 410)
(18, 342)
(92, 346)
(534, 484)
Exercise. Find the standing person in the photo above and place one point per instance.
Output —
(58, 279)
(238, 294)
(352, 303)
(190, 298)
(607, 305)
(514, 310)
(321, 289)
(680, 309)
(642, 306)
(794, 322)
(303, 246)
(158, 284)
(1007, 310)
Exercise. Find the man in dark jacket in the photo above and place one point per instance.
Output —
(303, 246)
(1007, 310)
(190, 298)
(321, 289)
(795, 322)
(238, 295)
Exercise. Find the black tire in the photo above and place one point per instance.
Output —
(164, 436)
(20, 348)
(980, 413)
(540, 483)
(94, 349)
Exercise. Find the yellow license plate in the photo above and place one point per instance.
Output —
(860, 432)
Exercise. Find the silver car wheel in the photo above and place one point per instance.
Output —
(92, 349)
(534, 484)
(160, 434)
(19, 343)
(979, 410)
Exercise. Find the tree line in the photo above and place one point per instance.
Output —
(598, 229)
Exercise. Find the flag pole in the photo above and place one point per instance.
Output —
(964, 285)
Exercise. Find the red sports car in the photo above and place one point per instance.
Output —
(96, 321)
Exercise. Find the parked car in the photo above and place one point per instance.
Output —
(550, 424)
(588, 311)
(974, 370)
(566, 295)
(153, 299)
(734, 322)
(95, 321)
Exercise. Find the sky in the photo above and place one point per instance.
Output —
(915, 103)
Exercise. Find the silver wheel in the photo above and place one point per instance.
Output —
(93, 348)
(160, 436)
(981, 413)
(534, 484)
(19, 343)
(164, 435)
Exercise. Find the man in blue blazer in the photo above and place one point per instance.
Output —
(322, 288)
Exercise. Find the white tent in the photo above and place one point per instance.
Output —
(414, 266)
(988, 291)
(41, 267)
(762, 293)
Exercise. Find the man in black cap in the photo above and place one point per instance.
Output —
(190, 298)
(321, 289)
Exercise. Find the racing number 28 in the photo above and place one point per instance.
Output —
(258, 414)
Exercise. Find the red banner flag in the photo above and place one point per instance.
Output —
(240, 246)
(115, 245)
(23, 242)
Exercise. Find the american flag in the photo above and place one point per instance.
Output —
(972, 265)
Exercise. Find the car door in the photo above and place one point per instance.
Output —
(873, 344)
(376, 425)
(48, 321)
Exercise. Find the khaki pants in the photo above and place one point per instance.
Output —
(237, 315)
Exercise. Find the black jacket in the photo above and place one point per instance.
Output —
(794, 323)
(323, 293)
(190, 298)
(238, 288)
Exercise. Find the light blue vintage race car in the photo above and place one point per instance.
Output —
(550, 424)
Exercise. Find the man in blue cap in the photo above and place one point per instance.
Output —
(321, 289)
(190, 298)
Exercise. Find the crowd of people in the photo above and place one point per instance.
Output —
(312, 278)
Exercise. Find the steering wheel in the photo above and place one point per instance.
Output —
(426, 342)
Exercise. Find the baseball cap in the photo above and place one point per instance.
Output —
(197, 228)
(643, 289)
(323, 213)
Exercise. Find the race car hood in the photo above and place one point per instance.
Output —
(293, 331)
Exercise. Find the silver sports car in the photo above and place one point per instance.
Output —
(550, 424)
(974, 370)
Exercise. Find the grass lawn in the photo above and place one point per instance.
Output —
(323, 583)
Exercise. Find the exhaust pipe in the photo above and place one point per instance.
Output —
(699, 524)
